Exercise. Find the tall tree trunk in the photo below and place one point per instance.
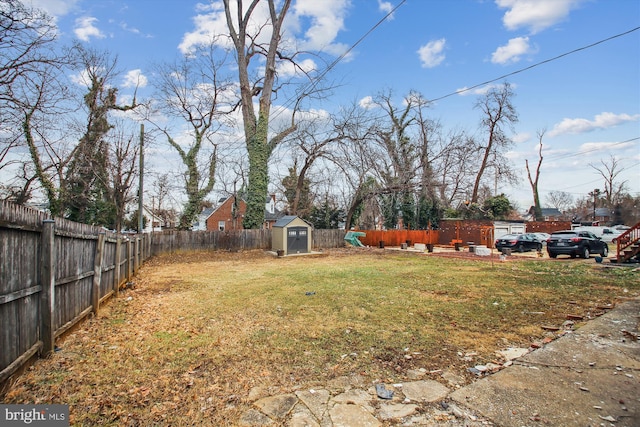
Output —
(534, 182)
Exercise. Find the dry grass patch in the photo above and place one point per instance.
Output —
(199, 331)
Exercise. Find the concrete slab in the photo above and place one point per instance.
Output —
(587, 377)
(349, 415)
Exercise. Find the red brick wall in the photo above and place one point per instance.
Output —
(223, 213)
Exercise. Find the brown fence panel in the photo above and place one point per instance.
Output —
(547, 226)
(75, 248)
(327, 238)
(235, 240)
(52, 274)
(20, 240)
(452, 231)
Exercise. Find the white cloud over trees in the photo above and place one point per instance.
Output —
(431, 54)
(85, 28)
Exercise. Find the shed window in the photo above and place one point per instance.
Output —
(221, 225)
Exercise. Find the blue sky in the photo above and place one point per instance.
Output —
(588, 101)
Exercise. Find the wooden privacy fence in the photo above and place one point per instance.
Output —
(53, 273)
(172, 241)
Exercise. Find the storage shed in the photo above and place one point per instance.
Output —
(291, 235)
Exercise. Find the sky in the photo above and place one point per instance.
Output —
(574, 66)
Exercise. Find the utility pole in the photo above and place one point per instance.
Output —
(595, 193)
(140, 186)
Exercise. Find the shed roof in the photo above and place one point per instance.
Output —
(287, 219)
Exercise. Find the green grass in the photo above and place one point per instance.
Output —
(220, 326)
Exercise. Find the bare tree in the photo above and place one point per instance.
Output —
(196, 92)
(352, 156)
(398, 157)
(454, 165)
(31, 91)
(534, 181)
(123, 149)
(561, 200)
(613, 190)
(498, 111)
(315, 138)
(248, 49)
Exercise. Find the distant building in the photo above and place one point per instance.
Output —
(548, 214)
(603, 215)
(230, 212)
(271, 213)
(153, 223)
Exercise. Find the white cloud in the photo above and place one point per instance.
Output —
(135, 78)
(208, 23)
(327, 20)
(601, 121)
(55, 8)
(481, 90)
(385, 7)
(324, 20)
(366, 102)
(608, 147)
(81, 78)
(512, 52)
(85, 28)
(522, 137)
(536, 15)
(431, 53)
(288, 69)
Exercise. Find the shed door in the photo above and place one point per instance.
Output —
(297, 239)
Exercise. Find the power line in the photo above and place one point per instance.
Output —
(458, 92)
(580, 153)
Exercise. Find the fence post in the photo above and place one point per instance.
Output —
(129, 259)
(48, 293)
(116, 273)
(97, 273)
(136, 256)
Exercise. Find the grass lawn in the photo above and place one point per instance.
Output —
(199, 331)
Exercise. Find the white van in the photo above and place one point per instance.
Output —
(606, 234)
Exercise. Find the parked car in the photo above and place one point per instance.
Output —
(607, 234)
(519, 242)
(542, 237)
(576, 243)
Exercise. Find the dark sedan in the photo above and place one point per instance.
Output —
(519, 242)
(576, 243)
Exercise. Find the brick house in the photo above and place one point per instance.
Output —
(227, 216)
(230, 212)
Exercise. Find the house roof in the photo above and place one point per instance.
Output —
(551, 212)
(206, 213)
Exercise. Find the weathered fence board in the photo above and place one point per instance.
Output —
(52, 275)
